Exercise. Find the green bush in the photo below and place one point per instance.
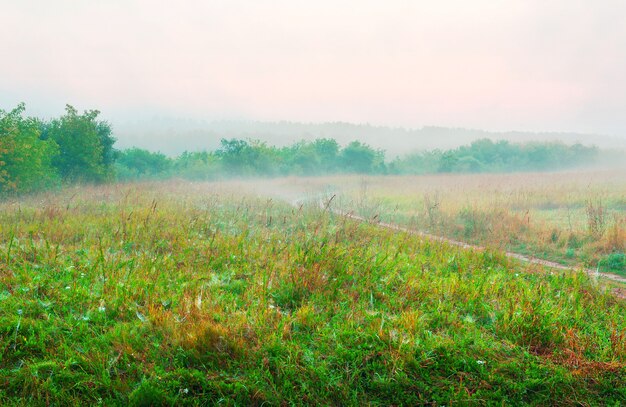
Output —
(615, 262)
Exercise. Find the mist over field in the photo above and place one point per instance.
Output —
(343, 203)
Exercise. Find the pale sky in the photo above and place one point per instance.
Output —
(554, 65)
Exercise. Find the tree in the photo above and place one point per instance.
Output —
(136, 163)
(361, 158)
(85, 146)
(25, 159)
(300, 159)
(448, 162)
(198, 165)
(327, 149)
(251, 157)
(109, 154)
(235, 154)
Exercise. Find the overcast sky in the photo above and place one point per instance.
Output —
(555, 65)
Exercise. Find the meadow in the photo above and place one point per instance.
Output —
(179, 293)
(576, 218)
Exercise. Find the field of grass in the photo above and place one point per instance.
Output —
(202, 294)
(576, 218)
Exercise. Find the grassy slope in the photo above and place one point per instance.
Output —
(183, 294)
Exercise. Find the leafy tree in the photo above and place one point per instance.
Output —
(242, 157)
(138, 163)
(309, 158)
(199, 165)
(449, 162)
(299, 159)
(327, 150)
(469, 163)
(235, 154)
(425, 162)
(541, 156)
(25, 159)
(361, 158)
(109, 154)
(85, 145)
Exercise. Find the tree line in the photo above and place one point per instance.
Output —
(485, 155)
(246, 158)
(323, 156)
(79, 147)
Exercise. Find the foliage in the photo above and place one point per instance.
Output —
(320, 156)
(135, 163)
(85, 145)
(614, 262)
(199, 165)
(357, 157)
(485, 155)
(241, 157)
(80, 148)
(253, 158)
(25, 159)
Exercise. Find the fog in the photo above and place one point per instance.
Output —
(196, 135)
(520, 67)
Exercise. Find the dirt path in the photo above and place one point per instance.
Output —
(326, 205)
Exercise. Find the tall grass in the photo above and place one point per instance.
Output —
(574, 218)
(199, 294)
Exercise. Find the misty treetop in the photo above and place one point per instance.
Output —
(76, 147)
(485, 155)
(245, 158)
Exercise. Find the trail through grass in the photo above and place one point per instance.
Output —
(575, 219)
(198, 294)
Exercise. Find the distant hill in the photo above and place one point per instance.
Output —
(173, 136)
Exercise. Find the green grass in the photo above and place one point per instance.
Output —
(575, 219)
(192, 294)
